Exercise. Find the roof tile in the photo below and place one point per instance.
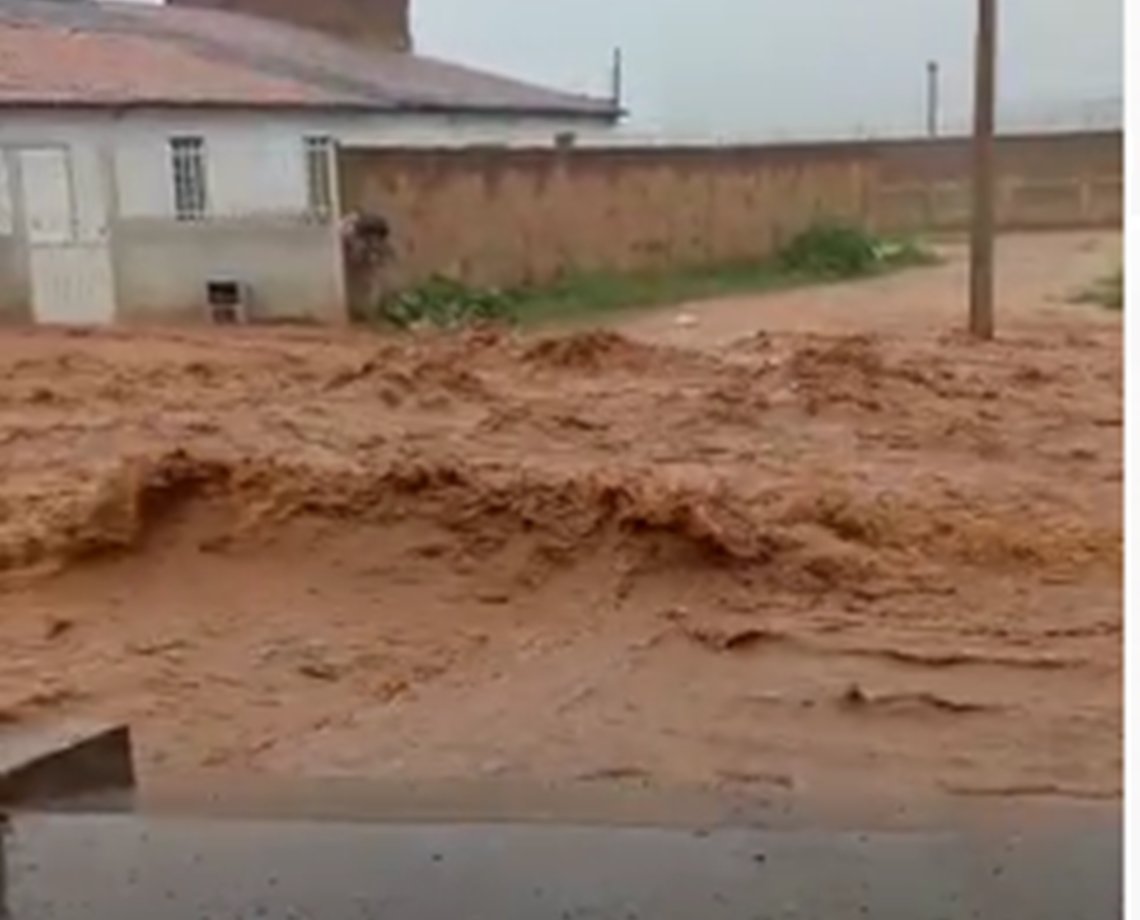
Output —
(40, 66)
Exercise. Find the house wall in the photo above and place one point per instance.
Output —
(290, 266)
(257, 231)
(516, 217)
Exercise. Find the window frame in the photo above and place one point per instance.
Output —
(189, 177)
(320, 201)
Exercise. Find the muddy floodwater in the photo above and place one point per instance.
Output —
(789, 543)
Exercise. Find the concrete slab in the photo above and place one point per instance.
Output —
(65, 761)
(137, 867)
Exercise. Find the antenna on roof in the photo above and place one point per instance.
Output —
(932, 101)
(617, 78)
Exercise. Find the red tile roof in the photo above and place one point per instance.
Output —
(41, 65)
(83, 53)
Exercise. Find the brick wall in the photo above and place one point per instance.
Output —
(1062, 180)
(507, 217)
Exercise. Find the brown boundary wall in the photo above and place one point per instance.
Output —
(509, 217)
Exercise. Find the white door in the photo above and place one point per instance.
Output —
(72, 282)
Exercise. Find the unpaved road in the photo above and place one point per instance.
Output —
(851, 549)
(1038, 275)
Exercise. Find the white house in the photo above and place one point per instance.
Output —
(149, 154)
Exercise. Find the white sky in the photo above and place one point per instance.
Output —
(748, 69)
(767, 67)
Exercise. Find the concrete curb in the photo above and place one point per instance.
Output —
(40, 765)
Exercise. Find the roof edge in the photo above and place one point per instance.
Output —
(609, 116)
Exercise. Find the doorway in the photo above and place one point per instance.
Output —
(69, 266)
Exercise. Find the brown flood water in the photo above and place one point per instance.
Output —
(806, 541)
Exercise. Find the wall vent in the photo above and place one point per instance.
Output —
(227, 302)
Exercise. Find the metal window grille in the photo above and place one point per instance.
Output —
(188, 159)
(318, 172)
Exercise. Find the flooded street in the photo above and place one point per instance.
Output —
(809, 541)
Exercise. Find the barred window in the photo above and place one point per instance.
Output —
(318, 172)
(188, 161)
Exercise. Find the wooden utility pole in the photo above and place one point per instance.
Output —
(982, 235)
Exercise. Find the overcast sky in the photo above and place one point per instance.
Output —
(759, 68)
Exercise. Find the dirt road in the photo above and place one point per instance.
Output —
(853, 548)
(1039, 274)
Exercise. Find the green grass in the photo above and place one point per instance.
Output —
(823, 254)
(586, 296)
(1107, 292)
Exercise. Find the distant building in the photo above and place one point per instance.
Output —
(154, 158)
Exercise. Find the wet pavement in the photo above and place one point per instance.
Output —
(1045, 862)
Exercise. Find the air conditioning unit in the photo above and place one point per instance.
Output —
(227, 302)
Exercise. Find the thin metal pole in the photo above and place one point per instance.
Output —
(932, 101)
(982, 235)
(617, 78)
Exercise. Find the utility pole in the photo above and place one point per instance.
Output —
(932, 101)
(982, 235)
